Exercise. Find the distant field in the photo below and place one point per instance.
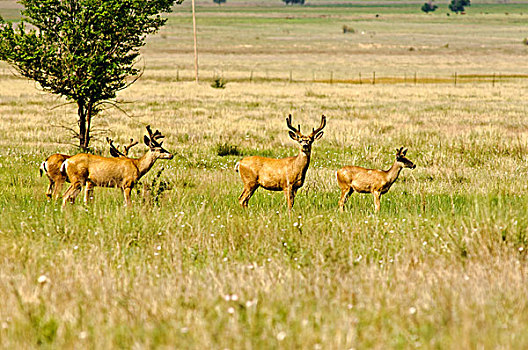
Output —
(443, 265)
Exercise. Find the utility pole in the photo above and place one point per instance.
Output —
(195, 44)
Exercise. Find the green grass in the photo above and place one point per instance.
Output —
(443, 265)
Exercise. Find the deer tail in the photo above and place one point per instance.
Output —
(43, 168)
(236, 166)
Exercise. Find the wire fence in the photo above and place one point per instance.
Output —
(331, 77)
(372, 78)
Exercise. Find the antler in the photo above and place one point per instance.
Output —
(113, 149)
(321, 126)
(400, 152)
(154, 136)
(296, 131)
(129, 146)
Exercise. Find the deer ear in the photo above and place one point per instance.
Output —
(293, 135)
(146, 140)
(319, 135)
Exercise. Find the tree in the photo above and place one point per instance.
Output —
(83, 50)
(300, 2)
(429, 7)
(219, 2)
(458, 5)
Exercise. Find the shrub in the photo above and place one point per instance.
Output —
(429, 7)
(218, 83)
(459, 5)
(226, 149)
(347, 29)
(153, 191)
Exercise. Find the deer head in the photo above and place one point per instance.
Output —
(305, 141)
(400, 158)
(156, 148)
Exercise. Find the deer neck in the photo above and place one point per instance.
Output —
(302, 161)
(394, 172)
(145, 163)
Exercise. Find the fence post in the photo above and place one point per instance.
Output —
(360, 78)
(373, 78)
(455, 78)
(177, 75)
(414, 78)
(251, 77)
(331, 77)
(493, 81)
(291, 77)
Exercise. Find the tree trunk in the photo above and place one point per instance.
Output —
(84, 112)
(82, 125)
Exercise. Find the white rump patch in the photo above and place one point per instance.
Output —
(64, 166)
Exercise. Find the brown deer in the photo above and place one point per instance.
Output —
(90, 170)
(286, 174)
(354, 178)
(51, 167)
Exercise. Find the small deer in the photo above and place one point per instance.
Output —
(90, 170)
(354, 178)
(51, 167)
(286, 174)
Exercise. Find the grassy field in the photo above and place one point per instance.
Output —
(443, 265)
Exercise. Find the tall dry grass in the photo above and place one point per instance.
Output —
(442, 266)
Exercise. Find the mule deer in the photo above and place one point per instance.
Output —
(91, 170)
(286, 174)
(51, 167)
(354, 178)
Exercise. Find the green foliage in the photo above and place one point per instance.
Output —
(429, 7)
(347, 29)
(219, 83)
(294, 2)
(82, 50)
(226, 149)
(459, 5)
(153, 191)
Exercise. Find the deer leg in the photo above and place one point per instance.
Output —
(345, 193)
(51, 189)
(290, 197)
(71, 193)
(57, 188)
(377, 197)
(126, 195)
(246, 195)
(88, 192)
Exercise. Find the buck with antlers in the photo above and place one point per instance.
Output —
(90, 170)
(51, 167)
(285, 174)
(354, 178)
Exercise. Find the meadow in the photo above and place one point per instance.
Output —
(442, 265)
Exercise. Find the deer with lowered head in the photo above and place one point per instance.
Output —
(354, 178)
(286, 174)
(51, 167)
(90, 170)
